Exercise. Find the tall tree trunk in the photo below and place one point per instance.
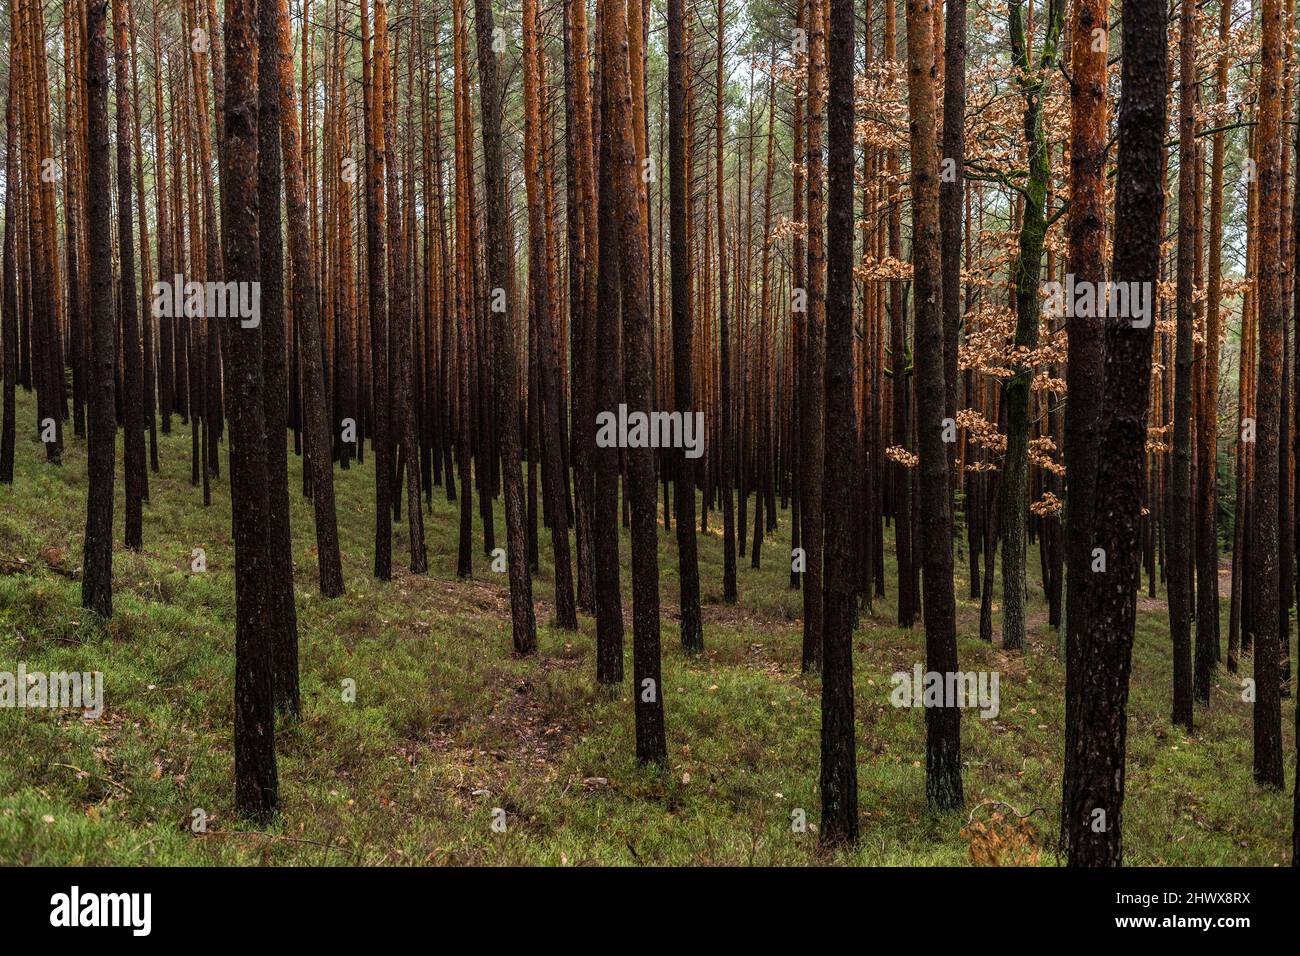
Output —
(952, 189)
(148, 373)
(256, 787)
(582, 234)
(307, 322)
(942, 724)
(651, 745)
(605, 540)
(463, 297)
(97, 576)
(1272, 306)
(9, 284)
(812, 381)
(1180, 525)
(726, 458)
(524, 625)
(283, 619)
(73, 204)
(688, 570)
(839, 772)
(1033, 75)
(400, 335)
(132, 361)
(166, 325)
(1095, 795)
(900, 481)
(376, 268)
(1207, 532)
(553, 475)
(1085, 365)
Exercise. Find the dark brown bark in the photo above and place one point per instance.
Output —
(942, 724)
(1272, 306)
(149, 410)
(553, 473)
(166, 325)
(952, 188)
(839, 772)
(72, 210)
(900, 481)
(256, 787)
(97, 575)
(1207, 535)
(1085, 367)
(1105, 651)
(462, 315)
(132, 359)
(9, 282)
(524, 626)
(400, 333)
(283, 620)
(726, 458)
(1033, 66)
(377, 291)
(812, 382)
(648, 690)
(605, 539)
(1180, 526)
(307, 323)
(580, 218)
(688, 572)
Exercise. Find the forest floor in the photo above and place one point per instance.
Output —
(447, 725)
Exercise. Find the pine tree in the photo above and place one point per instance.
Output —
(97, 575)
(1094, 797)
(524, 627)
(942, 724)
(839, 772)
(256, 787)
(651, 745)
(688, 572)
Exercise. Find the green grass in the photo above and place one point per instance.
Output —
(448, 725)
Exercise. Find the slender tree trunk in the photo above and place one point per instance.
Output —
(524, 626)
(952, 189)
(97, 575)
(688, 571)
(942, 724)
(283, 620)
(1268, 703)
(553, 475)
(400, 334)
(1207, 534)
(812, 381)
(74, 203)
(463, 298)
(9, 283)
(148, 372)
(256, 788)
(726, 458)
(376, 268)
(605, 541)
(839, 772)
(582, 235)
(1095, 796)
(1180, 526)
(132, 361)
(651, 745)
(900, 481)
(1026, 271)
(1085, 365)
(307, 321)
